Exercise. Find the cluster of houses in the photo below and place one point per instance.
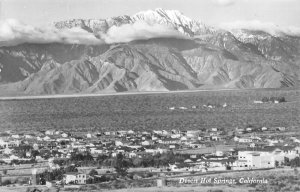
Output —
(208, 106)
(205, 150)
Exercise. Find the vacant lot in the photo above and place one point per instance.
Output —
(151, 111)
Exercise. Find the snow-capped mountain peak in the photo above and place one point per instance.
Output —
(173, 18)
(163, 16)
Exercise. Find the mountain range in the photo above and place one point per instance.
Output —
(196, 56)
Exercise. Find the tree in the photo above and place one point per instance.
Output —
(35, 153)
(281, 99)
(121, 165)
(137, 162)
(56, 174)
(101, 158)
(295, 162)
(93, 172)
(286, 161)
(265, 99)
(296, 171)
(71, 168)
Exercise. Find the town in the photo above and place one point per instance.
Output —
(54, 157)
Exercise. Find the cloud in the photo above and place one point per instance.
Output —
(224, 2)
(138, 31)
(263, 26)
(231, 2)
(13, 32)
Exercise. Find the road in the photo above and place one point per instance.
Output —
(115, 94)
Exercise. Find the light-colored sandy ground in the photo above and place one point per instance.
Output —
(21, 97)
(234, 188)
(150, 189)
(184, 189)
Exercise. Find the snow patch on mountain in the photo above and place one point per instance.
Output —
(256, 25)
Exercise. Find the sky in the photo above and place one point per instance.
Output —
(284, 13)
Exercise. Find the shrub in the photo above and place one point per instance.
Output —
(6, 182)
(93, 172)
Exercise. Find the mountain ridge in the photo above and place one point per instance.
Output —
(209, 58)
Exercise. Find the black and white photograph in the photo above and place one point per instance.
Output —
(149, 95)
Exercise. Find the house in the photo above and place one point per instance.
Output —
(130, 132)
(119, 143)
(28, 136)
(188, 161)
(75, 178)
(64, 135)
(258, 102)
(95, 150)
(249, 129)
(132, 154)
(157, 132)
(281, 128)
(294, 139)
(183, 138)
(50, 132)
(214, 129)
(219, 153)
(57, 132)
(146, 143)
(174, 131)
(191, 133)
(156, 151)
(216, 138)
(243, 139)
(46, 138)
(15, 136)
(172, 146)
(164, 132)
(272, 142)
(240, 130)
(7, 151)
(174, 136)
(107, 133)
(264, 128)
(35, 146)
(197, 144)
(169, 141)
(3, 144)
(145, 133)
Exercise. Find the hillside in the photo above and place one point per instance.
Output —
(202, 57)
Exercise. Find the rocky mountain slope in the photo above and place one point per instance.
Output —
(172, 18)
(206, 58)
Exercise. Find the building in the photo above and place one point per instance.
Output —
(75, 178)
(266, 157)
(255, 159)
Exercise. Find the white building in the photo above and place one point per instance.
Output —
(266, 157)
(243, 139)
(254, 159)
(75, 178)
(50, 132)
